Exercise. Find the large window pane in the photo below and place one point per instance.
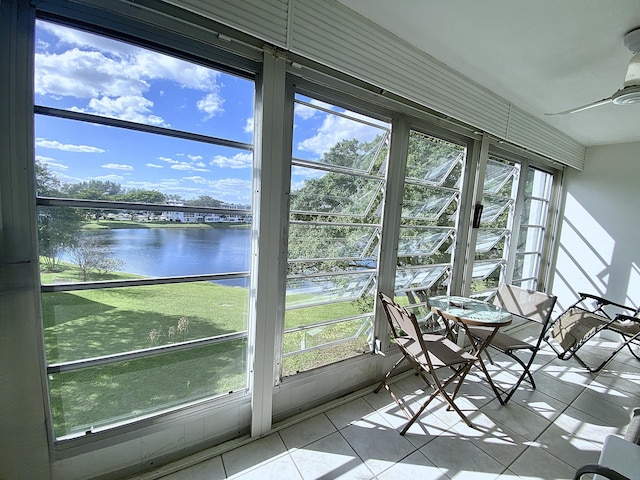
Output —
(533, 227)
(83, 72)
(99, 322)
(90, 399)
(496, 223)
(144, 233)
(427, 233)
(337, 180)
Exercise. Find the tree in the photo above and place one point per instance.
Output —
(93, 190)
(57, 226)
(141, 196)
(204, 201)
(47, 184)
(88, 254)
(334, 199)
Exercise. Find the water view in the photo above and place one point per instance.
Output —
(159, 252)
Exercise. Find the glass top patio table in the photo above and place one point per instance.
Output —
(477, 311)
(471, 312)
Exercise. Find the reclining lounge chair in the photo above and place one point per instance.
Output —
(578, 324)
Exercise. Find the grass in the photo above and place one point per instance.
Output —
(91, 323)
(87, 399)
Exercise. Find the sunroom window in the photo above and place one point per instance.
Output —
(337, 179)
(430, 205)
(533, 227)
(496, 223)
(144, 165)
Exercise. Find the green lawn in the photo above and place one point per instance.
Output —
(92, 323)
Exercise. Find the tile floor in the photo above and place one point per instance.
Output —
(545, 433)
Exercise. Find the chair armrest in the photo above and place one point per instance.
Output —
(603, 302)
(599, 470)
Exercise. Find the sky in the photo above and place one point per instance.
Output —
(83, 72)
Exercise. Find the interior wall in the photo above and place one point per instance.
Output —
(598, 241)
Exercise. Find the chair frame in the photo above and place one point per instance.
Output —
(421, 351)
(506, 298)
(607, 322)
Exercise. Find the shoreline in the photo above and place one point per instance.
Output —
(125, 224)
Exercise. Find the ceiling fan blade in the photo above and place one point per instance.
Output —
(604, 101)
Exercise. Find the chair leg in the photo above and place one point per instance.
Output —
(631, 349)
(526, 373)
(384, 380)
(440, 389)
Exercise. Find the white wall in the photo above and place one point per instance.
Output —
(599, 238)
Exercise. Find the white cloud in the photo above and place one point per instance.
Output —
(51, 163)
(307, 172)
(109, 178)
(248, 127)
(153, 165)
(306, 112)
(194, 164)
(133, 108)
(196, 179)
(168, 160)
(297, 185)
(211, 104)
(67, 147)
(187, 166)
(335, 129)
(117, 166)
(239, 160)
(107, 67)
(114, 76)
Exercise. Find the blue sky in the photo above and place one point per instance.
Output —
(83, 72)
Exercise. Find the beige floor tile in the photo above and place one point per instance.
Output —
(261, 451)
(378, 446)
(459, 458)
(349, 412)
(330, 457)
(280, 468)
(414, 466)
(307, 431)
(535, 463)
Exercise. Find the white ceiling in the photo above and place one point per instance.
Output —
(542, 55)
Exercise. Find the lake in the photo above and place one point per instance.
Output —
(161, 252)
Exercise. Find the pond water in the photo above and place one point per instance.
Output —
(160, 252)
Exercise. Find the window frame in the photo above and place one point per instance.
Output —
(332, 94)
(242, 62)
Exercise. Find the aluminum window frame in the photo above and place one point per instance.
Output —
(241, 61)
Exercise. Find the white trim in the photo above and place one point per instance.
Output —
(269, 188)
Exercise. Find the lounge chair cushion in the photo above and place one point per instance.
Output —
(573, 326)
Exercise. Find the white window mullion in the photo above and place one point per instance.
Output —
(515, 218)
(270, 183)
(478, 191)
(391, 220)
